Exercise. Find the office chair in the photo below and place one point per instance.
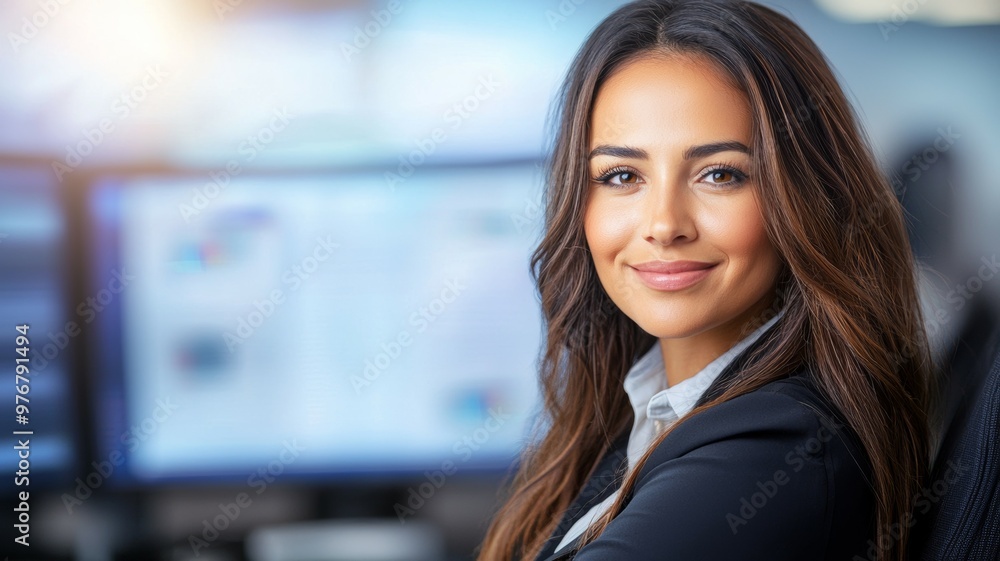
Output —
(959, 516)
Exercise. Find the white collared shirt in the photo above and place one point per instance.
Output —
(657, 406)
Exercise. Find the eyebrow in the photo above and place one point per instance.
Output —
(699, 151)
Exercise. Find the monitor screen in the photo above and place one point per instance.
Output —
(336, 324)
(33, 284)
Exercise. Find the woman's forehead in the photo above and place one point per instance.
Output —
(667, 100)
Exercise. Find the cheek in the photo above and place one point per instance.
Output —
(607, 228)
(737, 229)
(749, 238)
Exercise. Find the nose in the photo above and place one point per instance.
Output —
(668, 214)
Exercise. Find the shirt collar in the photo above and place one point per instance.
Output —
(646, 381)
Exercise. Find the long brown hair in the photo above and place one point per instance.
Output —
(848, 281)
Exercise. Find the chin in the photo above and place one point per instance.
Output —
(672, 323)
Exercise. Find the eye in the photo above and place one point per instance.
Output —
(724, 175)
(626, 177)
(721, 176)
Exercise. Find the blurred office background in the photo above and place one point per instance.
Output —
(273, 255)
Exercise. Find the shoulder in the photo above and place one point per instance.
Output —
(792, 410)
(776, 468)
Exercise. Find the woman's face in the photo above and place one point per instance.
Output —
(672, 219)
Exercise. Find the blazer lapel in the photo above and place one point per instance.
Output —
(607, 478)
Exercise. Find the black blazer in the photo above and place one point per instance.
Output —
(774, 474)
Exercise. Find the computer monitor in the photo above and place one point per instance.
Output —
(315, 325)
(33, 293)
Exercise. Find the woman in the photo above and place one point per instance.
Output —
(735, 365)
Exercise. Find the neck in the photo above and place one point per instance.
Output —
(683, 357)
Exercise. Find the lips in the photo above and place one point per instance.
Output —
(672, 275)
(671, 267)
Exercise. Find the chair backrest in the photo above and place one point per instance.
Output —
(958, 512)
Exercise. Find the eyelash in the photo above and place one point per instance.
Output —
(739, 178)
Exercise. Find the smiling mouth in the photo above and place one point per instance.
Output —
(672, 276)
